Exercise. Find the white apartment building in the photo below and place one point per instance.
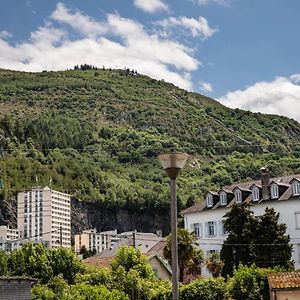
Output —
(93, 240)
(281, 193)
(8, 238)
(44, 215)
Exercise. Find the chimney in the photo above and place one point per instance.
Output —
(265, 180)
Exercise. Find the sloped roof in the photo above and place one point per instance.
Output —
(245, 186)
(284, 280)
(98, 261)
(158, 248)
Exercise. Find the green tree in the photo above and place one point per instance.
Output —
(131, 258)
(272, 245)
(249, 282)
(189, 258)
(240, 225)
(261, 240)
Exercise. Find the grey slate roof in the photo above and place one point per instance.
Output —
(283, 181)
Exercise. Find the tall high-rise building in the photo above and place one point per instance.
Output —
(44, 215)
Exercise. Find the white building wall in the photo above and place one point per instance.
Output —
(42, 214)
(289, 214)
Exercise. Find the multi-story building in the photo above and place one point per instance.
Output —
(205, 219)
(44, 215)
(95, 241)
(8, 238)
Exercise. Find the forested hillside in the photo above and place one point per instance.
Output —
(95, 133)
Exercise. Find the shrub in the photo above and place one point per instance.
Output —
(205, 289)
(249, 283)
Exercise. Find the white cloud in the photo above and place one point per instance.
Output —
(78, 21)
(113, 42)
(5, 34)
(206, 87)
(295, 78)
(150, 6)
(280, 96)
(206, 2)
(196, 27)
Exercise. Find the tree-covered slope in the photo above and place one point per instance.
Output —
(96, 134)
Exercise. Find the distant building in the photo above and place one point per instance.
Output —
(95, 241)
(9, 238)
(149, 244)
(44, 216)
(205, 219)
(143, 241)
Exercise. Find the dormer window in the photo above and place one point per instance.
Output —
(296, 188)
(274, 191)
(223, 198)
(255, 193)
(209, 200)
(238, 196)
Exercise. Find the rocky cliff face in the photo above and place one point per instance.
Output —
(93, 215)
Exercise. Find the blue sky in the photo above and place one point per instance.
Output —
(245, 53)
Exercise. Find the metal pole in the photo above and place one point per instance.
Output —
(174, 257)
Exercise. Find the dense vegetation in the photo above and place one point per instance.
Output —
(255, 239)
(95, 133)
(60, 275)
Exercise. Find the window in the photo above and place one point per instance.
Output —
(222, 229)
(211, 228)
(197, 229)
(238, 196)
(223, 198)
(297, 219)
(274, 191)
(296, 188)
(209, 200)
(255, 193)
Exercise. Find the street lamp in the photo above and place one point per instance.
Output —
(172, 163)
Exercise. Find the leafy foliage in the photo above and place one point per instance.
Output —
(189, 258)
(249, 282)
(261, 240)
(205, 289)
(95, 133)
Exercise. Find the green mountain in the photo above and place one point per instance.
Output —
(96, 133)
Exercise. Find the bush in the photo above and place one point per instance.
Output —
(205, 289)
(249, 283)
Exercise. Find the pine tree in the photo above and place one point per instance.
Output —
(272, 246)
(260, 240)
(240, 224)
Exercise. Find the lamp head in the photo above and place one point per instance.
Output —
(172, 163)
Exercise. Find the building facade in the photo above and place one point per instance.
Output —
(95, 241)
(205, 219)
(44, 216)
(8, 238)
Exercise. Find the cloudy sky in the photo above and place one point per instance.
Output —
(244, 53)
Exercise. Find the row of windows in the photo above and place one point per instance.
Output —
(255, 194)
(211, 228)
(61, 199)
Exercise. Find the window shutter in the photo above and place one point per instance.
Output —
(206, 229)
(215, 228)
(191, 227)
(200, 230)
(220, 228)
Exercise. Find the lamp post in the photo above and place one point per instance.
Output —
(172, 163)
